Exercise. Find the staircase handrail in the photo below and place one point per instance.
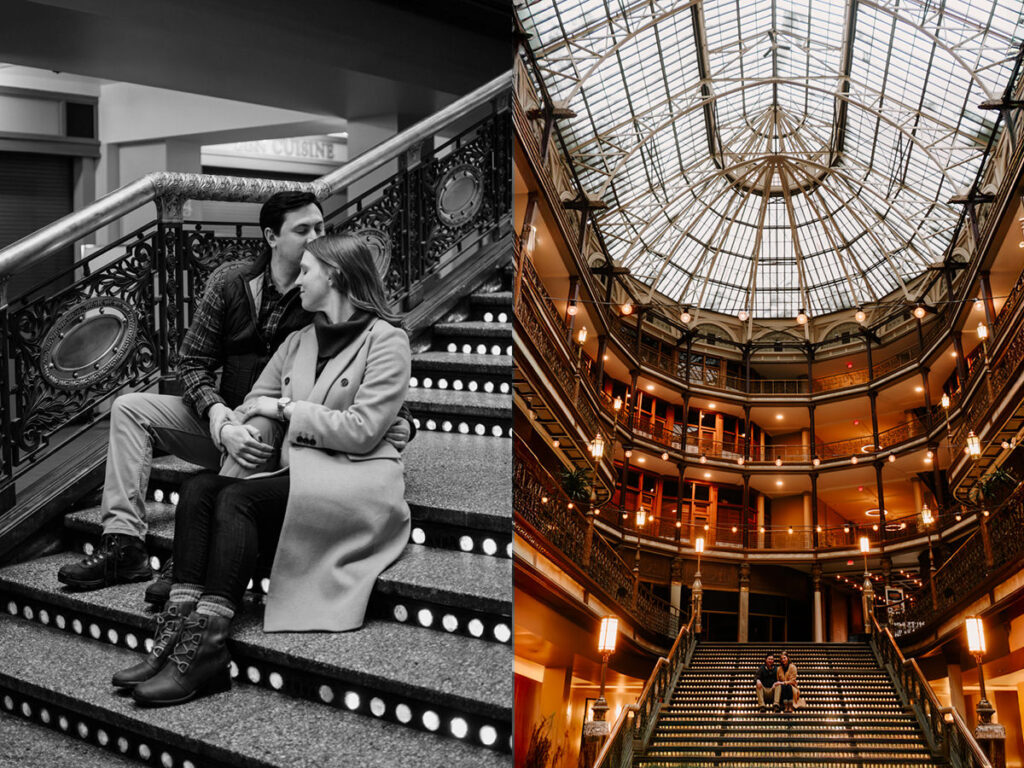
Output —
(153, 186)
(625, 740)
(941, 730)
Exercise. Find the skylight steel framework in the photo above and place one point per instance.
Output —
(775, 155)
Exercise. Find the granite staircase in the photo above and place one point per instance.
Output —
(427, 681)
(852, 716)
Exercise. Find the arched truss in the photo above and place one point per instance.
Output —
(759, 156)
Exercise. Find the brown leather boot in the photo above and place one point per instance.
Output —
(168, 629)
(198, 664)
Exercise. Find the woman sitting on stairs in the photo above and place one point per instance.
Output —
(335, 510)
(790, 695)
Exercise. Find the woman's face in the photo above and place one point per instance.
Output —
(314, 283)
(784, 659)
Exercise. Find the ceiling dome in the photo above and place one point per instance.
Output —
(772, 156)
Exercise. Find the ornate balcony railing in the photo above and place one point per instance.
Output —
(552, 523)
(986, 552)
(123, 312)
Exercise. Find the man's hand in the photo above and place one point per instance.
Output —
(398, 434)
(243, 443)
(219, 415)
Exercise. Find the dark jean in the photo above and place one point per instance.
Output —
(221, 526)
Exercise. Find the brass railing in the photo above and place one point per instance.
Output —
(450, 196)
(944, 729)
(635, 725)
(547, 518)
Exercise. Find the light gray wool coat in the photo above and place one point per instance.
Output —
(346, 519)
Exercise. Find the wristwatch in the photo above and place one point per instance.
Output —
(282, 403)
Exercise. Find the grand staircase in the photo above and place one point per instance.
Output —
(853, 715)
(427, 681)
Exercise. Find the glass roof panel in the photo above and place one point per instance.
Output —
(775, 155)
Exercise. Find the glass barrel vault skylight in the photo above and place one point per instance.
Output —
(769, 156)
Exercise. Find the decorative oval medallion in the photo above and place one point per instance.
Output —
(460, 193)
(88, 342)
(379, 243)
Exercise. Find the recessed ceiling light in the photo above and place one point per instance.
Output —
(778, 416)
(650, 387)
(778, 482)
(707, 474)
(641, 460)
(712, 406)
(919, 389)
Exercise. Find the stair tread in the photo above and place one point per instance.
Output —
(458, 362)
(431, 494)
(468, 403)
(492, 297)
(252, 724)
(30, 745)
(474, 328)
(423, 659)
(443, 575)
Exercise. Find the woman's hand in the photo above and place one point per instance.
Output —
(243, 443)
(258, 406)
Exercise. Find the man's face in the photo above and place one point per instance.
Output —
(300, 227)
(769, 661)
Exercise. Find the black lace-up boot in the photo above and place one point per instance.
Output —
(198, 664)
(168, 631)
(158, 592)
(119, 559)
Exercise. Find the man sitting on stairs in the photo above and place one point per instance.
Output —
(247, 310)
(765, 681)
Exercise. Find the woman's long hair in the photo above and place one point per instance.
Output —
(350, 268)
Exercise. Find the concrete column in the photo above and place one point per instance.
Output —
(676, 586)
(805, 443)
(956, 690)
(808, 520)
(744, 628)
(760, 521)
(819, 619)
(915, 486)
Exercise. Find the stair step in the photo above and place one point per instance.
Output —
(475, 329)
(420, 663)
(246, 726)
(442, 581)
(27, 743)
(498, 365)
(492, 299)
(460, 405)
(479, 511)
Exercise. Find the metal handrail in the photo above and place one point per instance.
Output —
(620, 731)
(891, 652)
(193, 186)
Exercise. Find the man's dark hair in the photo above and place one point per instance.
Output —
(769, 656)
(279, 205)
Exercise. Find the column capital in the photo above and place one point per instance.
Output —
(744, 575)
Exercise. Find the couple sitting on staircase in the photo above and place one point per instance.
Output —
(310, 470)
(778, 682)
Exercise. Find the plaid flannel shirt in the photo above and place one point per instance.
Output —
(202, 353)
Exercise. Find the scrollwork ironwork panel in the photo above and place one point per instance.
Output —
(60, 371)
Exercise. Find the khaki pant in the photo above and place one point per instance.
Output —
(141, 422)
(766, 693)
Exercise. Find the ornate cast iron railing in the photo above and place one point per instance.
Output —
(549, 521)
(944, 729)
(635, 725)
(988, 551)
(117, 322)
